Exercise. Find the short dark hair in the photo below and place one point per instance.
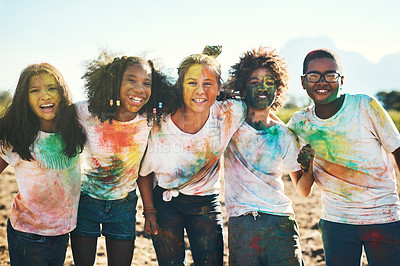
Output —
(322, 53)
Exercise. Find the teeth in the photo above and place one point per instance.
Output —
(262, 96)
(47, 105)
(199, 100)
(136, 99)
(322, 91)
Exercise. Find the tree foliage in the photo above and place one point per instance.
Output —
(5, 101)
(390, 100)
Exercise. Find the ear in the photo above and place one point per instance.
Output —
(303, 82)
(341, 80)
(219, 90)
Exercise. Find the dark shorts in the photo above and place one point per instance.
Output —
(114, 219)
(31, 249)
(264, 240)
(200, 216)
(343, 243)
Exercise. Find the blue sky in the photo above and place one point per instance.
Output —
(66, 33)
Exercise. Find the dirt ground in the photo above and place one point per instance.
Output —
(308, 211)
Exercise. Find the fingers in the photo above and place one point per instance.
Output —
(151, 225)
(154, 228)
(306, 157)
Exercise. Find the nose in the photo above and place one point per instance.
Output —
(46, 95)
(322, 80)
(139, 87)
(200, 89)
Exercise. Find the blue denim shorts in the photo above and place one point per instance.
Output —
(32, 249)
(114, 219)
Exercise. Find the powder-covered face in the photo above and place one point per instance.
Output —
(260, 89)
(44, 99)
(200, 88)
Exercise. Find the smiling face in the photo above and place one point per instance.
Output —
(135, 91)
(44, 100)
(200, 88)
(260, 89)
(322, 92)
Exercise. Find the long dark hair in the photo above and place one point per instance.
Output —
(103, 85)
(19, 126)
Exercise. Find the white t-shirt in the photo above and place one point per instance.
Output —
(254, 162)
(353, 163)
(189, 163)
(112, 155)
(49, 188)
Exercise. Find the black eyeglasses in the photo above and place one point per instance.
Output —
(315, 77)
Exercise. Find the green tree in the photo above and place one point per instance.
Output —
(390, 100)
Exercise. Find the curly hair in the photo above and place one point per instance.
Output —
(203, 59)
(261, 58)
(103, 85)
(19, 126)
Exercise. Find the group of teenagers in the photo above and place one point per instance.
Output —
(78, 166)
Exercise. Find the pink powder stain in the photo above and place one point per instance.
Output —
(255, 243)
(375, 238)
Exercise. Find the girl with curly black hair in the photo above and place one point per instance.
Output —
(125, 97)
(41, 138)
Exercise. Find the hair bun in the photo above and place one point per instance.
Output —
(212, 50)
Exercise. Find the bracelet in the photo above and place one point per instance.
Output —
(149, 210)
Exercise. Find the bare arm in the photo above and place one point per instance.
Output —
(396, 155)
(303, 180)
(145, 184)
(3, 165)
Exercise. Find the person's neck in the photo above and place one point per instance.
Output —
(259, 119)
(189, 121)
(325, 111)
(122, 116)
(48, 126)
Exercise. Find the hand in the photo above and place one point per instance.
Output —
(306, 157)
(151, 225)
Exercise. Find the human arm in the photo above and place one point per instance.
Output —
(3, 165)
(303, 180)
(396, 155)
(145, 184)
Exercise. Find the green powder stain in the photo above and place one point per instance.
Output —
(52, 144)
(49, 153)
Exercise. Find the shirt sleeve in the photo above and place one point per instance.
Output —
(10, 157)
(383, 126)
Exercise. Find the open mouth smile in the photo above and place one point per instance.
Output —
(135, 99)
(47, 107)
(199, 100)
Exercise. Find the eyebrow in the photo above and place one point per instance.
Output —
(133, 75)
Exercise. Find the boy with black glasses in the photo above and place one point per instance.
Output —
(353, 138)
